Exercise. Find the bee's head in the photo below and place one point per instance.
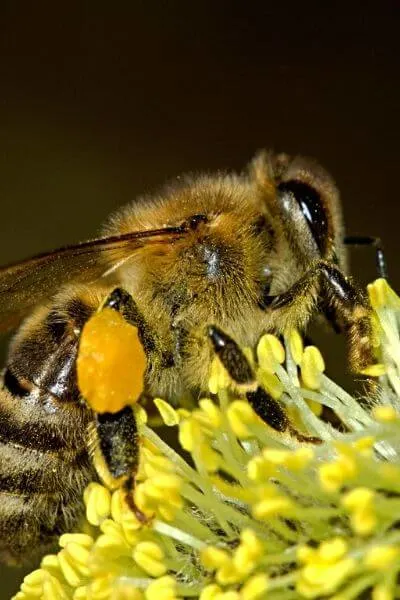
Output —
(307, 207)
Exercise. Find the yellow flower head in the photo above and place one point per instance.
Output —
(252, 514)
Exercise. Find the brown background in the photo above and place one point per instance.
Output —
(99, 104)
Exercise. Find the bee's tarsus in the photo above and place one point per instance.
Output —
(268, 409)
(344, 303)
(129, 487)
(218, 337)
(306, 439)
(239, 369)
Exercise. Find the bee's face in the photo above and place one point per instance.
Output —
(305, 207)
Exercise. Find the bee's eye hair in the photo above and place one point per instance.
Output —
(312, 208)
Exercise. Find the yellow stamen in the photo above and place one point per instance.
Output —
(269, 352)
(149, 556)
(312, 366)
(296, 346)
(385, 414)
(168, 414)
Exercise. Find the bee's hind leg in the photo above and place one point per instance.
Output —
(239, 369)
(114, 438)
(116, 453)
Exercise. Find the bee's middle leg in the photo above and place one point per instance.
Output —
(239, 369)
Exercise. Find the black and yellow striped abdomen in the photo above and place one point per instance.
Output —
(44, 460)
(44, 467)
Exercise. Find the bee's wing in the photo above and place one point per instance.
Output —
(25, 284)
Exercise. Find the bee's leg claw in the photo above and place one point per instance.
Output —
(129, 487)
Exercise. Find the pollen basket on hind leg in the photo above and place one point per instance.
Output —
(111, 362)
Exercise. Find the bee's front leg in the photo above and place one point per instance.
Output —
(351, 309)
(239, 369)
(348, 307)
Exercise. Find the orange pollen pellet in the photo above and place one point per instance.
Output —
(111, 362)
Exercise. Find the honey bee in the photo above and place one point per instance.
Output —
(199, 270)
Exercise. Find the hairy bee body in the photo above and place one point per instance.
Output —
(240, 263)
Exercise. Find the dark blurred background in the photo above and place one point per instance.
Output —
(101, 102)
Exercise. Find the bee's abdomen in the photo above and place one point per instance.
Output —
(44, 467)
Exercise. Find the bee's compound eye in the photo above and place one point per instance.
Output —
(266, 273)
(265, 279)
(312, 208)
(111, 362)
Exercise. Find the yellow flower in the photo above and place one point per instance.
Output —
(360, 503)
(252, 515)
(322, 579)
